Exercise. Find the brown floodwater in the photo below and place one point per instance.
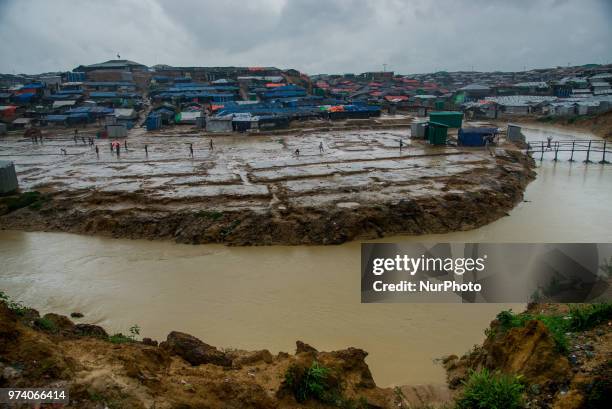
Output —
(269, 297)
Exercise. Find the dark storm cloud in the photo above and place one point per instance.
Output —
(310, 35)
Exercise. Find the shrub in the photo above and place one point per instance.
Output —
(310, 383)
(555, 324)
(589, 316)
(485, 390)
(15, 306)
(581, 318)
(31, 199)
(119, 338)
(45, 324)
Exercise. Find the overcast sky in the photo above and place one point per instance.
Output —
(328, 36)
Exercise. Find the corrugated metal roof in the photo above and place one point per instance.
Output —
(474, 87)
(59, 104)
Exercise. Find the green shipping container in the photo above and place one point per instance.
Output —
(436, 133)
(439, 105)
(452, 119)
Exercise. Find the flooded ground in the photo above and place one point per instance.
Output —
(268, 297)
(239, 172)
(326, 187)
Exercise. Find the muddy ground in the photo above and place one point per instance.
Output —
(255, 189)
(119, 371)
(182, 372)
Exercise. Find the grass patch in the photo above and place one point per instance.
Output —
(586, 317)
(317, 383)
(119, 338)
(45, 324)
(34, 200)
(486, 390)
(580, 318)
(556, 324)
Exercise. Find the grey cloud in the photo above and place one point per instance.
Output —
(310, 35)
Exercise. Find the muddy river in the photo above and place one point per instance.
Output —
(269, 297)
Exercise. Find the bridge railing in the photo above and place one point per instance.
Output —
(592, 147)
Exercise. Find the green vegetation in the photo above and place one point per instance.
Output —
(486, 390)
(317, 383)
(580, 318)
(45, 324)
(34, 200)
(589, 316)
(556, 325)
(119, 338)
(310, 383)
(213, 215)
(15, 306)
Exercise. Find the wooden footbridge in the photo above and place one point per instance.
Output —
(589, 150)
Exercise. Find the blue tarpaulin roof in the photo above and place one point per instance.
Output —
(59, 97)
(70, 91)
(91, 110)
(474, 136)
(56, 118)
(25, 97)
(103, 95)
(33, 85)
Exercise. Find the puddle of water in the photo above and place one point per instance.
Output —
(269, 297)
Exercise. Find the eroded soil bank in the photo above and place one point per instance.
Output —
(182, 372)
(255, 190)
(556, 356)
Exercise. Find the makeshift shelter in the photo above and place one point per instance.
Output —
(417, 130)
(63, 104)
(514, 133)
(153, 122)
(187, 117)
(57, 119)
(21, 122)
(78, 118)
(116, 131)
(219, 123)
(451, 119)
(475, 136)
(8, 111)
(8, 177)
(437, 133)
(125, 113)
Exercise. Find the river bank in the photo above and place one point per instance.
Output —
(164, 286)
(260, 191)
(598, 124)
(541, 362)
